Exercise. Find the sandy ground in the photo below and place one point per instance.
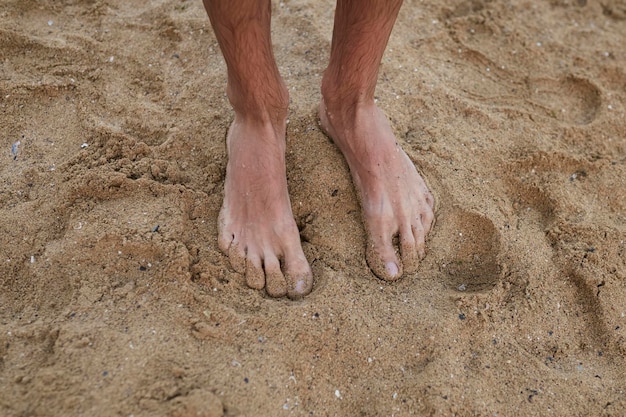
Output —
(115, 300)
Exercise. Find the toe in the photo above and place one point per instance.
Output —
(237, 257)
(298, 276)
(255, 277)
(223, 241)
(408, 251)
(300, 286)
(382, 260)
(225, 237)
(275, 283)
(430, 200)
(427, 220)
(419, 236)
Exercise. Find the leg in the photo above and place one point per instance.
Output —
(394, 198)
(256, 226)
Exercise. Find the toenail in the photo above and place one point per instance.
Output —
(392, 269)
(300, 286)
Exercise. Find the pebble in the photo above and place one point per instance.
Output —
(14, 149)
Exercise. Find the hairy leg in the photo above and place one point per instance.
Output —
(256, 226)
(394, 198)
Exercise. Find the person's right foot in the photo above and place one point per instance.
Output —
(256, 226)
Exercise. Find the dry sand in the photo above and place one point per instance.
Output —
(115, 301)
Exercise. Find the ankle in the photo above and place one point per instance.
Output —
(261, 104)
(338, 92)
(342, 110)
(341, 101)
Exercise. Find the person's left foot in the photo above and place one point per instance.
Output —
(394, 198)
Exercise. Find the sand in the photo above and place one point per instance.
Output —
(116, 301)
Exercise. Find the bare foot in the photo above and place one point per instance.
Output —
(256, 226)
(394, 198)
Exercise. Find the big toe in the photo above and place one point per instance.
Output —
(299, 279)
(382, 260)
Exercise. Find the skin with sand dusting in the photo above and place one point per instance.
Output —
(256, 227)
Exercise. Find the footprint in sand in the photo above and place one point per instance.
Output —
(198, 403)
(551, 205)
(471, 245)
(493, 79)
(570, 99)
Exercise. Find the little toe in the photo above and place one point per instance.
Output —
(255, 277)
(224, 237)
(237, 257)
(427, 220)
(430, 200)
(224, 241)
(275, 283)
